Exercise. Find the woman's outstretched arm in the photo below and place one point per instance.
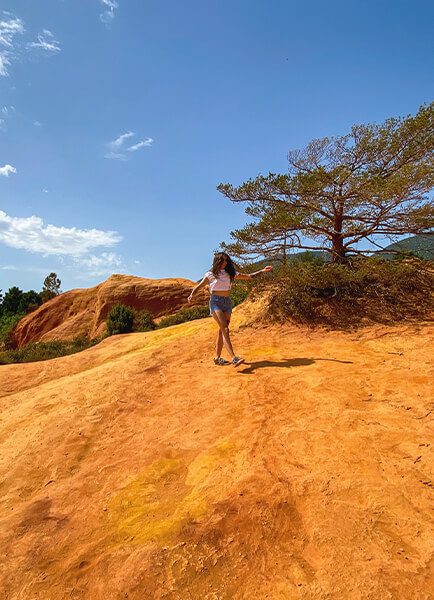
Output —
(253, 275)
(200, 285)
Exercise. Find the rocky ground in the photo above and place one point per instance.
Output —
(137, 469)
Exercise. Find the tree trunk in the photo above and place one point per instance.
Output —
(338, 250)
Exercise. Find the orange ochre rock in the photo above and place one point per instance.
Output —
(83, 312)
(138, 469)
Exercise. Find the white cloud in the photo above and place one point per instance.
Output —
(37, 124)
(21, 268)
(109, 14)
(143, 144)
(9, 28)
(114, 147)
(117, 149)
(6, 111)
(30, 233)
(105, 264)
(6, 170)
(46, 42)
(117, 143)
(4, 64)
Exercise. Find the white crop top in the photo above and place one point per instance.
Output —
(222, 283)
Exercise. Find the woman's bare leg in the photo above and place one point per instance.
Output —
(219, 317)
(219, 342)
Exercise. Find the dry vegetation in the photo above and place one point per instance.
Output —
(365, 292)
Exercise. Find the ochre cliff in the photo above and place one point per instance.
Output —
(138, 469)
(83, 312)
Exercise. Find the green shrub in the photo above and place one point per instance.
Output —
(187, 314)
(239, 292)
(12, 300)
(46, 350)
(144, 321)
(120, 319)
(7, 322)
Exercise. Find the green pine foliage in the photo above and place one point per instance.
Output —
(124, 319)
(338, 192)
(7, 323)
(14, 305)
(144, 321)
(16, 301)
(51, 287)
(120, 319)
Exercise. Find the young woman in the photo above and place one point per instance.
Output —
(220, 280)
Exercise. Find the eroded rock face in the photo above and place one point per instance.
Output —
(139, 469)
(83, 312)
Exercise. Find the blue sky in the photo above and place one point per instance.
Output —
(118, 119)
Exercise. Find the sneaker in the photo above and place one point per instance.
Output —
(237, 361)
(221, 361)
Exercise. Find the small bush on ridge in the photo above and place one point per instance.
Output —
(120, 319)
(186, 314)
(144, 321)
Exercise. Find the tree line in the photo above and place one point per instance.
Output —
(17, 302)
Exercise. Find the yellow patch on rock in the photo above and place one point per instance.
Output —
(165, 497)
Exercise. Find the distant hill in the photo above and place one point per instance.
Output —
(422, 244)
(297, 257)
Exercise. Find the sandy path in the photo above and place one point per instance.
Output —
(138, 469)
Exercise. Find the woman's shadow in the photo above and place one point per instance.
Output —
(286, 364)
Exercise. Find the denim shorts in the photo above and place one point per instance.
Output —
(222, 303)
